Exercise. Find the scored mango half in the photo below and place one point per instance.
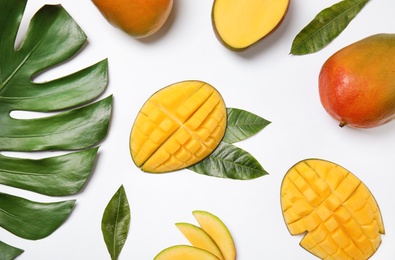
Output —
(338, 212)
(177, 127)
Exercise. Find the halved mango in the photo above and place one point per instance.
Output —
(177, 127)
(199, 238)
(239, 24)
(184, 252)
(218, 231)
(339, 213)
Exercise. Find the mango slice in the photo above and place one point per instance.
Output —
(199, 238)
(177, 127)
(338, 212)
(184, 252)
(240, 24)
(218, 231)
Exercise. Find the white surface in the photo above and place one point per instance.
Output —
(265, 80)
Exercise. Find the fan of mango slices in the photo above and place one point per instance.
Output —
(211, 240)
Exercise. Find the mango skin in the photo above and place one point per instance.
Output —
(357, 83)
(139, 18)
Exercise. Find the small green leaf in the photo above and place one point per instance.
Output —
(115, 223)
(32, 220)
(242, 125)
(55, 176)
(229, 161)
(8, 252)
(326, 26)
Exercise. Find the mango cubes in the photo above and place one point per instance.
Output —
(211, 240)
(177, 127)
(338, 212)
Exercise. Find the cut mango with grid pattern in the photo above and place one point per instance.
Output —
(177, 127)
(338, 212)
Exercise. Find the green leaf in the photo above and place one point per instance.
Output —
(8, 252)
(115, 223)
(52, 37)
(75, 129)
(326, 26)
(229, 161)
(55, 176)
(72, 117)
(242, 125)
(32, 220)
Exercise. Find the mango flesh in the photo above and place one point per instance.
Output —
(218, 231)
(357, 83)
(338, 212)
(199, 238)
(184, 252)
(177, 127)
(240, 24)
(139, 18)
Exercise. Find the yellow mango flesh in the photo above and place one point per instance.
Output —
(184, 252)
(199, 238)
(239, 24)
(177, 127)
(338, 212)
(218, 231)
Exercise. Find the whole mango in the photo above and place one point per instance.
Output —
(357, 83)
(139, 18)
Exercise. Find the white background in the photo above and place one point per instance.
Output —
(265, 80)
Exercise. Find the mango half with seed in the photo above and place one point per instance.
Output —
(338, 212)
(238, 24)
(177, 127)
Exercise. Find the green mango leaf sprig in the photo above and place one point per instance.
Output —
(326, 26)
(228, 160)
(79, 124)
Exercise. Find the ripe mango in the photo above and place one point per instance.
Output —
(177, 127)
(139, 18)
(357, 83)
(338, 212)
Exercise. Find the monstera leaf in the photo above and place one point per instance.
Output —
(75, 125)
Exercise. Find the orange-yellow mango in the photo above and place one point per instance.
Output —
(139, 18)
(357, 83)
(338, 212)
(178, 126)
